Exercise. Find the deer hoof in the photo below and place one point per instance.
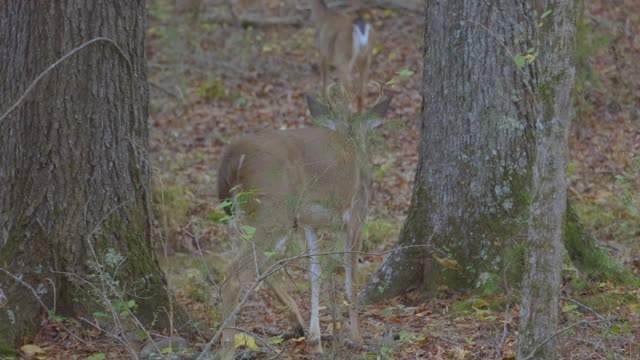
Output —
(316, 346)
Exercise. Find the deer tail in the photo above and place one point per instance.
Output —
(227, 175)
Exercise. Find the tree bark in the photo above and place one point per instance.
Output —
(543, 259)
(471, 192)
(74, 164)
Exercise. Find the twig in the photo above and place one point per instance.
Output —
(585, 307)
(58, 62)
(164, 90)
(254, 335)
(581, 322)
(35, 294)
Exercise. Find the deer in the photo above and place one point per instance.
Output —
(346, 42)
(313, 179)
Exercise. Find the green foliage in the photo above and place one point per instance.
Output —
(400, 78)
(159, 9)
(7, 352)
(376, 231)
(214, 89)
(98, 356)
(629, 199)
(588, 44)
(386, 353)
(593, 261)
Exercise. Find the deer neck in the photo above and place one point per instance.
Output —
(361, 32)
(319, 11)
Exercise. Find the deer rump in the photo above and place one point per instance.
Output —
(300, 176)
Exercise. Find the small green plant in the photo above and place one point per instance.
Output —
(629, 199)
(401, 77)
(409, 337)
(386, 353)
(98, 356)
(212, 89)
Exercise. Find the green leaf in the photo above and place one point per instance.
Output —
(269, 253)
(545, 14)
(568, 308)
(247, 232)
(276, 340)
(519, 60)
(99, 356)
(225, 204)
(131, 304)
(615, 329)
(99, 314)
(218, 217)
(406, 73)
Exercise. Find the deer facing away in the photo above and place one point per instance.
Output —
(310, 179)
(346, 42)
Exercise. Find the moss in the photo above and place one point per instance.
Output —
(7, 351)
(547, 92)
(605, 301)
(585, 254)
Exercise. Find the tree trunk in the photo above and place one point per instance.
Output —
(543, 260)
(74, 164)
(471, 192)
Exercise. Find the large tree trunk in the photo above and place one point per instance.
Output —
(471, 192)
(74, 164)
(543, 261)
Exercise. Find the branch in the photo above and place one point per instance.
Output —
(58, 62)
(582, 322)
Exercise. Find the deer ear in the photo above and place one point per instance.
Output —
(320, 112)
(378, 113)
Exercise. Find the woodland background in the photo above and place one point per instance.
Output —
(217, 72)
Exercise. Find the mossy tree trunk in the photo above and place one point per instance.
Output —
(472, 188)
(543, 260)
(491, 73)
(74, 164)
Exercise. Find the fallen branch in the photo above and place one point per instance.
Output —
(582, 322)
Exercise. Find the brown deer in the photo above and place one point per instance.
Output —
(346, 42)
(310, 179)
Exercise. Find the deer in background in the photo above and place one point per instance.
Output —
(346, 42)
(310, 179)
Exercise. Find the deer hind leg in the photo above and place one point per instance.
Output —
(241, 273)
(352, 247)
(295, 318)
(314, 326)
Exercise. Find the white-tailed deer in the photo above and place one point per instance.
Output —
(310, 179)
(346, 42)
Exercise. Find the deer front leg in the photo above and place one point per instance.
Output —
(324, 69)
(353, 245)
(314, 326)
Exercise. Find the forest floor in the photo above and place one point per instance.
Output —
(211, 82)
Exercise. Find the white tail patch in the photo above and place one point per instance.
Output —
(361, 32)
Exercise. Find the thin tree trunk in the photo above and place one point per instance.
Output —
(543, 261)
(74, 162)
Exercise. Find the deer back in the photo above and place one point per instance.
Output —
(292, 171)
